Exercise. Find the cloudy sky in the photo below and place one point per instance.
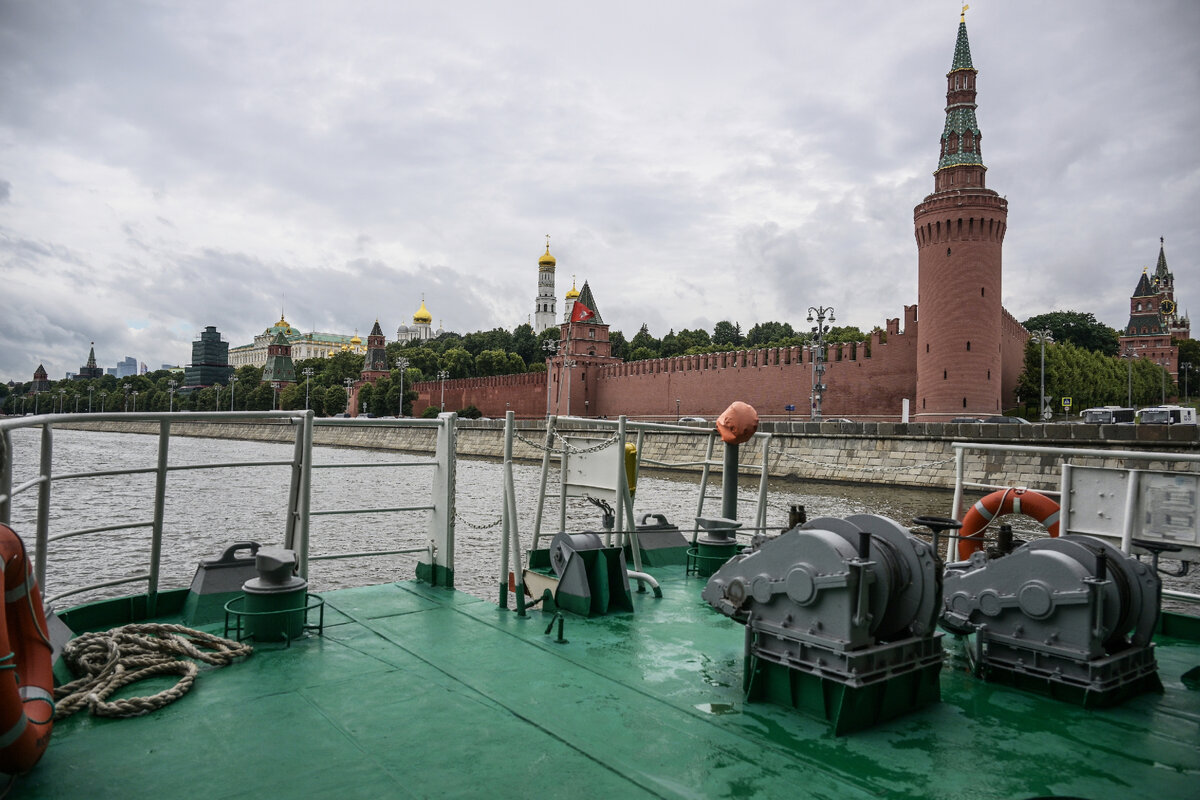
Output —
(170, 165)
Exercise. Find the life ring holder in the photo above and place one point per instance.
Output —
(26, 661)
(1000, 502)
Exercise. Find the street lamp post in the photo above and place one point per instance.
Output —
(822, 313)
(308, 373)
(1128, 356)
(401, 365)
(568, 364)
(35, 403)
(233, 379)
(348, 382)
(127, 387)
(77, 399)
(135, 394)
(90, 390)
(1043, 337)
(102, 396)
(677, 409)
(1184, 366)
(171, 384)
(551, 348)
(442, 375)
(62, 400)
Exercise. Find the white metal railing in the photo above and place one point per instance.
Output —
(439, 546)
(961, 449)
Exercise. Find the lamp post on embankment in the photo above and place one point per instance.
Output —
(821, 312)
(307, 372)
(551, 348)
(1184, 366)
(401, 365)
(442, 375)
(1043, 338)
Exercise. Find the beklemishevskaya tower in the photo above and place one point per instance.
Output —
(960, 233)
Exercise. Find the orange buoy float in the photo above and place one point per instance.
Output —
(26, 666)
(998, 503)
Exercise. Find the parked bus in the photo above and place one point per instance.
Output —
(1107, 415)
(1167, 415)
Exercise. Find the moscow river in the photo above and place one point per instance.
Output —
(209, 509)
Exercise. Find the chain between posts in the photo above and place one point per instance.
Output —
(566, 445)
(472, 525)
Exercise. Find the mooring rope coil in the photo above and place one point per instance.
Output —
(108, 660)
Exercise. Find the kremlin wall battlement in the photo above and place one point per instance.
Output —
(864, 380)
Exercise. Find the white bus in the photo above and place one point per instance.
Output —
(1167, 415)
(1107, 415)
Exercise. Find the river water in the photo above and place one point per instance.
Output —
(206, 510)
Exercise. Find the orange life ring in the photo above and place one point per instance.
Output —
(26, 668)
(998, 503)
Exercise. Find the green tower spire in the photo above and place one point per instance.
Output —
(960, 137)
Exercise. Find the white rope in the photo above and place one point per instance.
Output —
(108, 660)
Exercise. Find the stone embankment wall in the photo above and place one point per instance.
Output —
(914, 454)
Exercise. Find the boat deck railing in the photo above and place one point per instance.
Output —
(1064, 456)
(439, 545)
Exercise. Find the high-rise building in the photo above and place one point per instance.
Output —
(210, 361)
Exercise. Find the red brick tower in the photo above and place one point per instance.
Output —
(960, 233)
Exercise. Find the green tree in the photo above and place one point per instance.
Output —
(458, 362)
(1078, 328)
(769, 334)
(335, 400)
(727, 334)
(526, 345)
(644, 341)
(491, 362)
(619, 346)
(689, 339)
(292, 397)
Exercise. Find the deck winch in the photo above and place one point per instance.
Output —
(841, 619)
(1070, 616)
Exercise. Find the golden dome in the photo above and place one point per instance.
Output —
(547, 261)
(573, 293)
(283, 326)
(423, 314)
(356, 341)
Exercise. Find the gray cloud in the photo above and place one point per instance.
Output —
(186, 166)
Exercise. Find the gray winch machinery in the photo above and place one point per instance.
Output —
(1070, 616)
(840, 619)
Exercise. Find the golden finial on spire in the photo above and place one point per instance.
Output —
(547, 243)
(963, 18)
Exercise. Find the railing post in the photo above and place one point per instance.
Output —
(960, 457)
(160, 496)
(43, 511)
(6, 468)
(546, 454)
(440, 572)
(760, 516)
(300, 492)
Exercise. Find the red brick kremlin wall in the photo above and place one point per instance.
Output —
(768, 379)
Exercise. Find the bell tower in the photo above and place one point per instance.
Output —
(543, 309)
(960, 233)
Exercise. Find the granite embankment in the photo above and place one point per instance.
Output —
(913, 454)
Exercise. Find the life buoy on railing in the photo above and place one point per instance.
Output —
(26, 676)
(998, 503)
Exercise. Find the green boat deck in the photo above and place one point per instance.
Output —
(415, 691)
